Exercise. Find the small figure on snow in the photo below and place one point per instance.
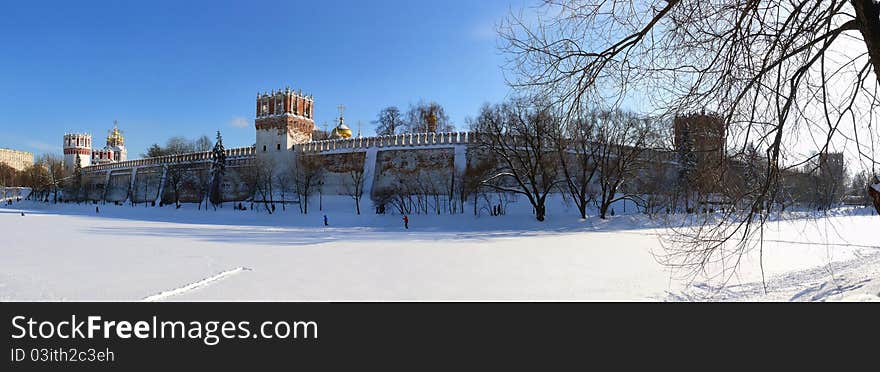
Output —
(325, 220)
(273, 208)
(22, 214)
(96, 210)
(405, 222)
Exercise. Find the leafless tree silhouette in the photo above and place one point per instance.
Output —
(792, 78)
(520, 135)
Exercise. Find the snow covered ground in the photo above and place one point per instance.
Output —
(124, 253)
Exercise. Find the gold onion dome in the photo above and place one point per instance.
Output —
(114, 136)
(341, 131)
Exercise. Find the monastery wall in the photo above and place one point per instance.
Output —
(143, 180)
(423, 170)
(427, 161)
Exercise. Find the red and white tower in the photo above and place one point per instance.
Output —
(284, 118)
(77, 144)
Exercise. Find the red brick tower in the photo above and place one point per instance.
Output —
(283, 118)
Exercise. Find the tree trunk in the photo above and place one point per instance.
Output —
(475, 203)
(603, 210)
(868, 16)
(305, 199)
(540, 212)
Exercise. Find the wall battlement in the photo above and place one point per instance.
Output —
(315, 147)
(399, 140)
(240, 153)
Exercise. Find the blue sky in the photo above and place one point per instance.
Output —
(187, 68)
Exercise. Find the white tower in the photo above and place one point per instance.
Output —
(77, 144)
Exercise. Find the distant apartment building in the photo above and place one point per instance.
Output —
(18, 160)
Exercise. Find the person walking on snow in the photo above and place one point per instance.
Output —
(325, 220)
(96, 210)
(405, 222)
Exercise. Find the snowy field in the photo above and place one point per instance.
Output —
(70, 253)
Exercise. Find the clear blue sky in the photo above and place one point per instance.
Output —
(187, 68)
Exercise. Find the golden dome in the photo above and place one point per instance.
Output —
(341, 131)
(115, 137)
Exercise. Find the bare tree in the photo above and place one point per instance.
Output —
(471, 181)
(857, 187)
(354, 187)
(782, 74)
(36, 177)
(179, 145)
(284, 185)
(202, 144)
(201, 179)
(258, 176)
(577, 157)
(8, 175)
(175, 178)
(653, 185)
(520, 135)
(830, 179)
(621, 138)
(55, 174)
(390, 121)
(427, 117)
(308, 173)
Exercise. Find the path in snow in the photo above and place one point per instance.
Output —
(857, 279)
(193, 286)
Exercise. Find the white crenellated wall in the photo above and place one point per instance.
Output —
(233, 156)
(395, 141)
(372, 146)
(456, 142)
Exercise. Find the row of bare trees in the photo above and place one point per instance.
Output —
(419, 118)
(46, 178)
(593, 157)
(303, 178)
(796, 78)
(420, 192)
(601, 157)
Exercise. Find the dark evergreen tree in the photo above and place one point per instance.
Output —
(154, 151)
(218, 170)
(76, 186)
